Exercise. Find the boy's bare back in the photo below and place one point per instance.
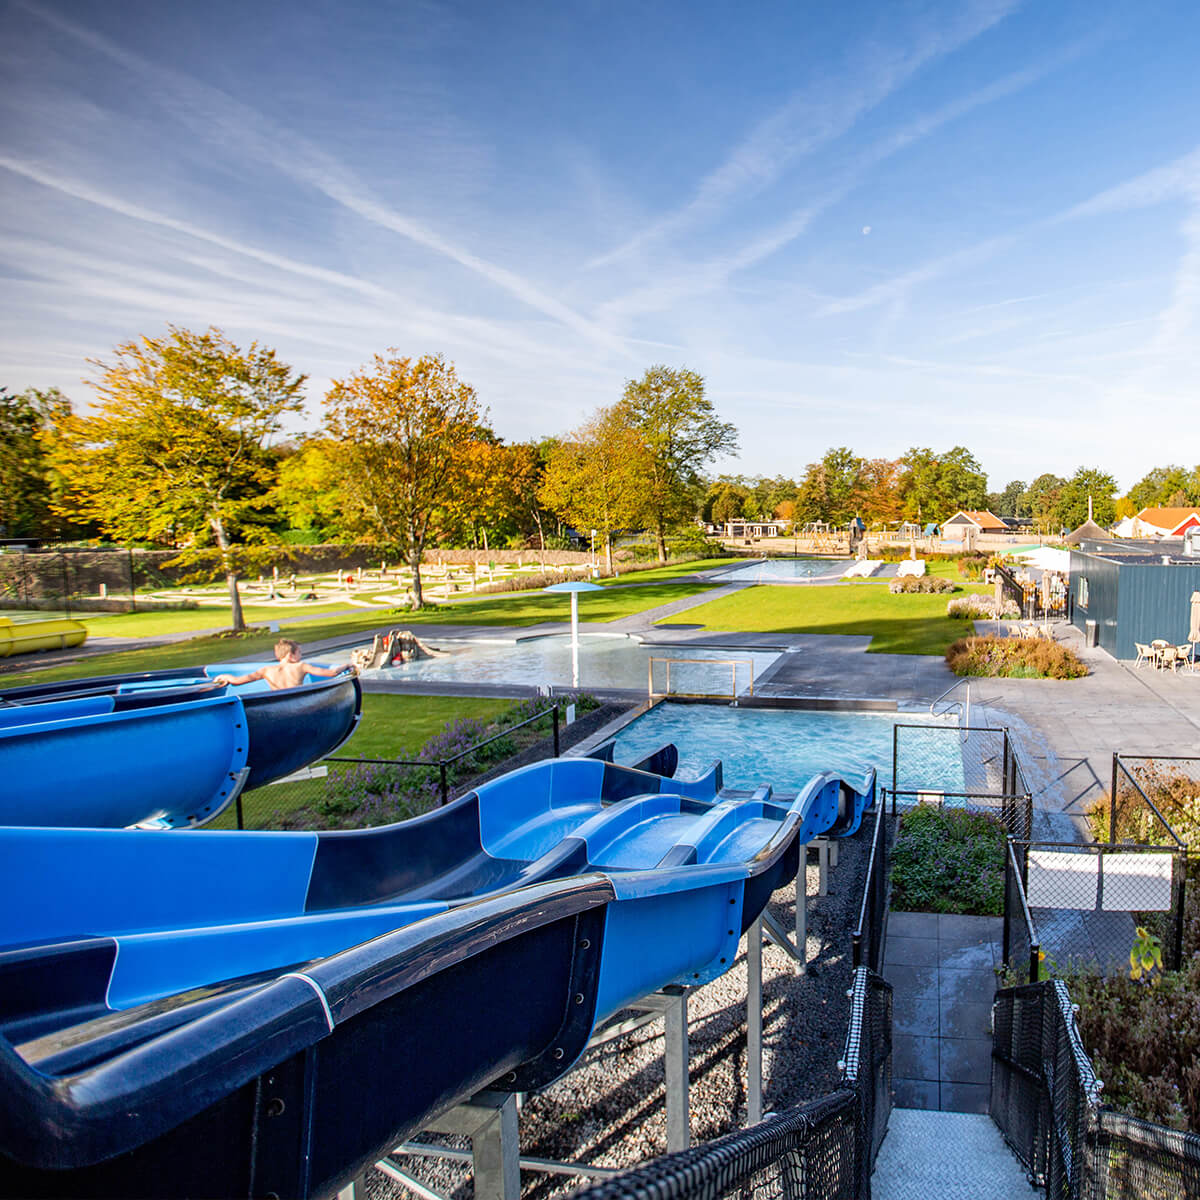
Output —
(288, 672)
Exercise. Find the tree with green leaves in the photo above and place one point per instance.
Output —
(1010, 502)
(176, 450)
(1041, 499)
(829, 487)
(27, 422)
(681, 433)
(595, 477)
(1171, 486)
(1088, 483)
(934, 486)
(399, 424)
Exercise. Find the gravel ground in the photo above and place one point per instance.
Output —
(610, 1110)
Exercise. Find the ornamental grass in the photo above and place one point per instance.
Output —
(1014, 658)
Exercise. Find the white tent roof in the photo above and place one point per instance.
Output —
(1047, 558)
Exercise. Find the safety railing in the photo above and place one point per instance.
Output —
(824, 1148)
(368, 787)
(867, 940)
(1141, 787)
(731, 663)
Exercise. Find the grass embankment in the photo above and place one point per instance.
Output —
(670, 571)
(392, 726)
(159, 623)
(532, 608)
(896, 624)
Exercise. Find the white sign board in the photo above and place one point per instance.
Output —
(1137, 882)
(1062, 879)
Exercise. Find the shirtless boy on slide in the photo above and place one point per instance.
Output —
(288, 672)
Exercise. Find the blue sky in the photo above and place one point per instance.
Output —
(872, 224)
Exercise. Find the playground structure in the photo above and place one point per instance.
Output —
(388, 649)
(275, 975)
(164, 749)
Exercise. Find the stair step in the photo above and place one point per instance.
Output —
(930, 1155)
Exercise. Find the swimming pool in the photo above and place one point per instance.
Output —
(786, 747)
(779, 570)
(605, 662)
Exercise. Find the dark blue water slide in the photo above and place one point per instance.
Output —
(166, 748)
(306, 1000)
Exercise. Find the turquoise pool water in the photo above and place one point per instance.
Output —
(786, 747)
(775, 570)
(604, 663)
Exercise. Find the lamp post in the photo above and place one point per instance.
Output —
(574, 587)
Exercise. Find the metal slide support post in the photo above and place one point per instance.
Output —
(822, 845)
(489, 1119)
(802, 913)
(834, 843)
(754, 1024)
(356, 1189)
(679, 1135)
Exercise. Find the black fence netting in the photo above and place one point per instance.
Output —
(75, 579)
(1046, 1100)
(824, 1148)
(867, 939)
(1151, 800)
(1082, 906)
(1043, 1085)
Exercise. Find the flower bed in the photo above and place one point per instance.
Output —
(923, 583)
(1014, 658)
(982, 608)
(948, 860)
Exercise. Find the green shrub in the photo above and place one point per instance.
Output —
(1145, 1042)
(948, 860)
(1174, 793)
(981, 608)
(1014, 658)
(925, 583)
(971, 566)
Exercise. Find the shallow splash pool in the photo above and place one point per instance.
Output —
(605, 662)
(786, 747)
(781, 570)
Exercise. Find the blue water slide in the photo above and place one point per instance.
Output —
(201, 982)
(166, 748)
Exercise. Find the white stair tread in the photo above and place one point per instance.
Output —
(947, 1155)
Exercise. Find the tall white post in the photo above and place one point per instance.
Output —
(574, 639)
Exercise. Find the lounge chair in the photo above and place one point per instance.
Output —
(912, 568)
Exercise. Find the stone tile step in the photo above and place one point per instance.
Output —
(947, 1155)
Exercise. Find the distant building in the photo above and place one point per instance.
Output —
(967, 524)
(1159, 523)
(751, 529)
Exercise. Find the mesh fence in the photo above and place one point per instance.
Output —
(868, 937)
(1151, 801)
(825, 1148)
(1046, 1100)
(963, 767)
(1043, 1086)
(1084, 906)
(71, 579)
(360, 793)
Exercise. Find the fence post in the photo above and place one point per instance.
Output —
(1008, 866)
(856, 948)
(555, 712)
(445, 787)
(1112, 803)
(1009, 787)
(1180, 900)
(241, 822)
(1028, 819)
(895, 767)
(1035, 961)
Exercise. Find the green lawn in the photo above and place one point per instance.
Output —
(530, 608)
(197, 651)
(900, 624)
(183, 620)
(392, 726)
(670, 571)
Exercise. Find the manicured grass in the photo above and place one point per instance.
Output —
(670, 571)
(530, 608)
(395, 726)
(184, 620)
(900, 624)
(197, 651)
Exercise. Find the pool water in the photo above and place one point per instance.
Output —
(775, 570)
(604, 663)
(786, 747)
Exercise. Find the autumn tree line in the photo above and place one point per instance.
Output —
(183, 448)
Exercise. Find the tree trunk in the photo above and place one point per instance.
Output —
(661, 532)
(237, 622)
(414, 561)
(608, 558)
(537, 517)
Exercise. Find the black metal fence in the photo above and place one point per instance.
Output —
(973, 767)
(1072, 906)
(1149, 796)
(1046, 1100)
(77, 579)
(1043, 1085)
(824, 1148)
(344, 792)
(869, 934)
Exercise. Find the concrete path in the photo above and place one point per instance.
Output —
(946, 1156)
(942, 971)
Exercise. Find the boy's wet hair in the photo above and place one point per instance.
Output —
(286, 646)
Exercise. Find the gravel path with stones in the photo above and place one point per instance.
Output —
(610, 1110)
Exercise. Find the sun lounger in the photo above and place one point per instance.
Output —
(911, 568)
(863, 568)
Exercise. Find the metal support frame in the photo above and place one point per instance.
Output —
(490, 1119)
(754, 1024)
(823, 864)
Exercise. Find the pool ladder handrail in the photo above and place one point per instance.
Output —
(963, 707)
(733, 663)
